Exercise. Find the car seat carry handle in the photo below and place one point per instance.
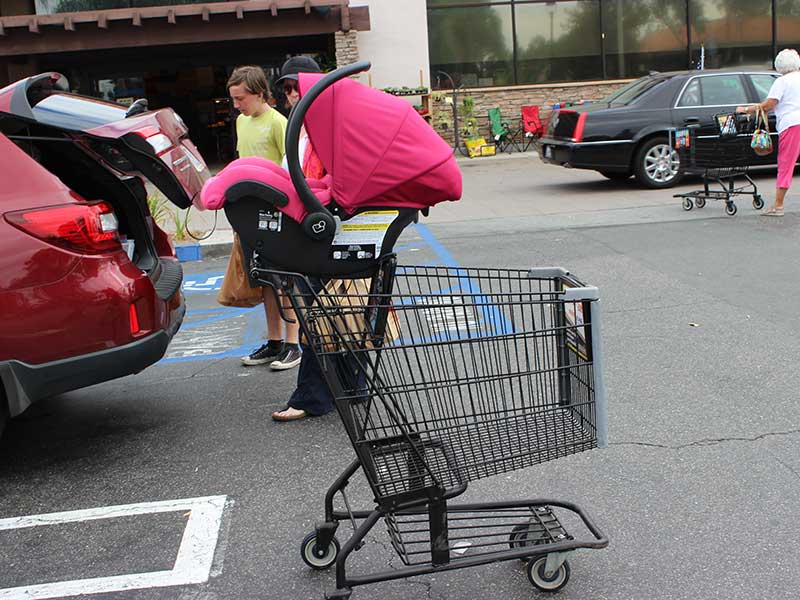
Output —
(318, 223)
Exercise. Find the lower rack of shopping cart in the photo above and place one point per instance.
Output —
(436, 537)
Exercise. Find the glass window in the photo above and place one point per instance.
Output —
(472, 44)
(691, 95)
(731, 33)
(633, 91)
(763, 83)
(643, 36)
(714, 90)
(788, 12)
(558, 41)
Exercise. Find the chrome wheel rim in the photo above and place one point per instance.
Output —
(661, 163)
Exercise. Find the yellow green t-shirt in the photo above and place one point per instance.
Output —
(262, 136)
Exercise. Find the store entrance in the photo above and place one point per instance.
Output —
(191, 79)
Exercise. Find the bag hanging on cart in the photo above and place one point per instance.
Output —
(236, 290)
(345, 305)
(761, 143)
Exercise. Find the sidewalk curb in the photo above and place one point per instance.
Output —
(215, 250)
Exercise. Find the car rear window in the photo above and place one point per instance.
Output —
(633, 91)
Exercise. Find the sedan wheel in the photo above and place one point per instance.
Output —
(657, 164)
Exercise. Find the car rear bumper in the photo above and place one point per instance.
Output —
(612, 156)
(25, 383)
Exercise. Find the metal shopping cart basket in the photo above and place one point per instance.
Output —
(441, 375)
(720, 157)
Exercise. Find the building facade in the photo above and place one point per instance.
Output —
(502, 53)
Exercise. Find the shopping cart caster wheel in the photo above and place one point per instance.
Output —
(700, 202)
(318, 557)
(537, 577)
(519, 539)
(758, 202)
(688, 204)
(730, 209)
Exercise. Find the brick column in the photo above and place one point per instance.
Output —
(346, 47)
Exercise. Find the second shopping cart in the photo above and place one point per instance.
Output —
(721, 156)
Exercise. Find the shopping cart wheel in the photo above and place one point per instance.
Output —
(699, 202)
(519, 539)
(688, 204)
(730, 209)
(316, 556)
(758, 202)
(556, 581)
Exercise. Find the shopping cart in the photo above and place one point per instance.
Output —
(720, 157)
(441, 375)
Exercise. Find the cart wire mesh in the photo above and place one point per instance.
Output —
(446, 375)
(724, 151)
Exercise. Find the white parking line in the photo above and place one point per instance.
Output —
(192, 564)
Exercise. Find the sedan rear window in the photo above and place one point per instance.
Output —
(714, 90)
(633, 91)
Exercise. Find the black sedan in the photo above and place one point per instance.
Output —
(628, 132)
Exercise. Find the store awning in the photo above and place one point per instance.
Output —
(178, 24)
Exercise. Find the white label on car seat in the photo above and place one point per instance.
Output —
(367, 230)
(270, 220)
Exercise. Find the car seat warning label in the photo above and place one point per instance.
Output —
(269, 220)
(361, 237)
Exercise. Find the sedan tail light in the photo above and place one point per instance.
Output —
(578, 135)
(82, 228)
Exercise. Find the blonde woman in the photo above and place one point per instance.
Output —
(784, 98)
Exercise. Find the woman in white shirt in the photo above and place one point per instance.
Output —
(784, 98)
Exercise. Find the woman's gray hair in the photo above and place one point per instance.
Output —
(787, 61)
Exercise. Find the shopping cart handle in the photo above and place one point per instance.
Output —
(318, 223)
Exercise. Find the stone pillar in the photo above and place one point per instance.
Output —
(346, 47)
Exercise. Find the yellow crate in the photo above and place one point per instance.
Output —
(478, 147)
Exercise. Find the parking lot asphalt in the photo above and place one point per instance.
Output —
(697, 489)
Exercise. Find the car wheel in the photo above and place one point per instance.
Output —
(657, 164)
(615, 176)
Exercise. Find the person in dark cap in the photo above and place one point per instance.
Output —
(311, 397)
(290, 70)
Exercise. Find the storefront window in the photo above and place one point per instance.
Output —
(123, 90)
(558, 41)
(730, 33)
(788, 12)
(643, 36)
(472, 44)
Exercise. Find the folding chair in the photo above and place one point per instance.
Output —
(504, 137)
(532, 127)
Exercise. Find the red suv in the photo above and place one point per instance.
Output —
(89, 284)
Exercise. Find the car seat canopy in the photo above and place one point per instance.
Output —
(377, 150)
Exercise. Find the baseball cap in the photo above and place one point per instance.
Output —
(298, 64)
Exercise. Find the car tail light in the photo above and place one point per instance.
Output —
(83, 228)
(157, 140)
(578, 135)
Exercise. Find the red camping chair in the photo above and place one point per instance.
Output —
(531, 126)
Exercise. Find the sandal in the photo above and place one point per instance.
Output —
(289, 414)
(773, 212)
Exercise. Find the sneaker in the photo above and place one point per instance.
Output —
(263, 355)
(290, 357)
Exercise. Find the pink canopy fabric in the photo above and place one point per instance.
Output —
(377, 150)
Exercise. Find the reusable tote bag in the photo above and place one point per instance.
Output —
(235, 289)
(761, 143)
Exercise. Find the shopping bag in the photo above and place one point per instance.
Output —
(346, 312)
(236, 289)
(761, 143)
